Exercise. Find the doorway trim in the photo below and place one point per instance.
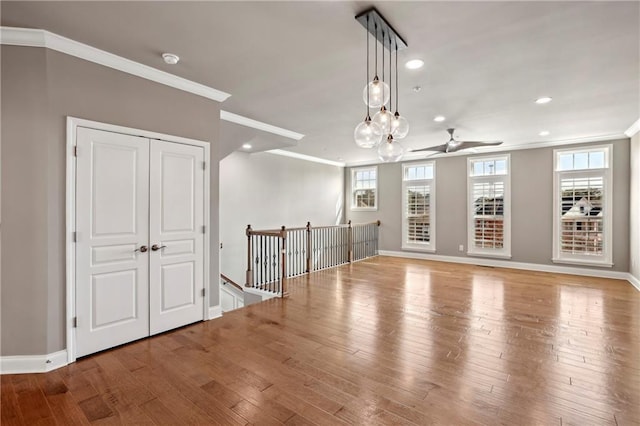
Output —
(70, 216)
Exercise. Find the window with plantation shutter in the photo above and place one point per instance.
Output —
(488, 211)
(364, 188)
(582, 206)
(418, 206)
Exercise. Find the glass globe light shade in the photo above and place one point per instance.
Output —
(390, 150)
(383, 119)
(399, 126)
(379, 93)
(367, 134)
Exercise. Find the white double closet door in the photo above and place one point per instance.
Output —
(139, 238)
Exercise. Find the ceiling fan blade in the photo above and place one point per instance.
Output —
(473, 144)
(437, 148)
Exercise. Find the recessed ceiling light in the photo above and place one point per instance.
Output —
(414, 64)
(170, 58)
(246, 146)
(544, 133)
(439, 118)
(543, 100)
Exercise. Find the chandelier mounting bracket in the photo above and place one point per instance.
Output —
(385, 33)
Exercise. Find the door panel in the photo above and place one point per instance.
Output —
(176, 218)
(112, 221)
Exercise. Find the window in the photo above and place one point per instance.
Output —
(418, 207)
(488, 209)
(364, 188)
(582, 206)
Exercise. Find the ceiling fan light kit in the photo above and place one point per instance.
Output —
(378, 93)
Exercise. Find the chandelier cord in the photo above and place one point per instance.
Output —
(396, 43)
(391, 80)
(367, 81)
(375, 27)
(383, 65)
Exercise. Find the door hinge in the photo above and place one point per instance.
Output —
(75, 237)
(204, 165)
(75, 151)
(74, 322)
(203, 292)
(203, 229)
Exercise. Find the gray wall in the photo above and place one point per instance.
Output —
(634, 211)
(268, 191)
(39, 89)
(531, 205)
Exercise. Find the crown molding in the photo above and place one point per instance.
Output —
(28, 37)
(508, 148)
(255, 124)
(633, 129)
(305, 157)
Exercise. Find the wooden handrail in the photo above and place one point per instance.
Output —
(230, 281)
(277, 232)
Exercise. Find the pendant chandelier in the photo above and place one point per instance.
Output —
(386, 127)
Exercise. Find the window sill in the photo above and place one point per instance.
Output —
(418, 248)
(601, 264)
(364, 209)
(492, 255)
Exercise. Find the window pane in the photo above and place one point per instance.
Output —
(566, 162)
(596, 160)
(419, 172)
(428, 172)
(363, 188)
(581, 160)
(411, 173)
(364, 198)
(489, 168)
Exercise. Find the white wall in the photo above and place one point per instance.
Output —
(268, 191)
(531, 223)
(634, 212)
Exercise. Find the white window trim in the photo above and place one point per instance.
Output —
(505, 251)
(606, 260)
(429, 247)
(353, 189)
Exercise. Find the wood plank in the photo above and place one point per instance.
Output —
(381, 341)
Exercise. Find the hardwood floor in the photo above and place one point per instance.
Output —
(382, 341)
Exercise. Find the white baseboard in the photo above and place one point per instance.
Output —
(20, 364)
(634, 281)
(215, 312)
(511, 265)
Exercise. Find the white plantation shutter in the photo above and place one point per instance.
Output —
(418, 211)
(582, 207)
(582, 215)
(488, 206)
(418, 214)
(488, 214)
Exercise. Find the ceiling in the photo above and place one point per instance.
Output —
(301, 65)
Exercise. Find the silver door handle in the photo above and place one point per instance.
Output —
(142, 249)
(156, 248)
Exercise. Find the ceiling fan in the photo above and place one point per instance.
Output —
(454, 145)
